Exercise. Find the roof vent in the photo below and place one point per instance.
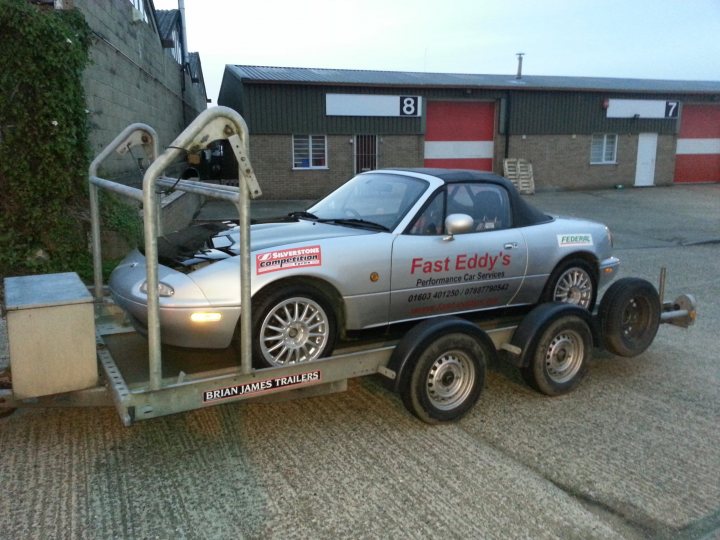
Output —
(519, 71)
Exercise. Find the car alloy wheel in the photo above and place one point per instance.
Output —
(295, 330)
(574, 286)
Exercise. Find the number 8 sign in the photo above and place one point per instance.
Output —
(409, 106)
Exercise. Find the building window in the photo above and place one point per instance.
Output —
(309, 152)
(603, 149)
(140, 13)
(176, 49)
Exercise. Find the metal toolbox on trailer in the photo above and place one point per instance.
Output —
(51, 334)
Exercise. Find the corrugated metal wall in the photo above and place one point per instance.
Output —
(282, 108)
(292, 108)
(550, 113)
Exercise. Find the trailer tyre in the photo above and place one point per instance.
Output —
(292, 325)
(447, 378)
(629, 316)
(560, 355)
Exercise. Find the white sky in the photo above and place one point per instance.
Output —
(650, 39)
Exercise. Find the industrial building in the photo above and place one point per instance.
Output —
(312, 129)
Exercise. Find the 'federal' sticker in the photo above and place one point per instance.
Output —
(287, 259)
(573, 240)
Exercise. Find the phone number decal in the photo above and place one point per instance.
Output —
(454, 293)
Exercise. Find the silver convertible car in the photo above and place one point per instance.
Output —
(388, 246)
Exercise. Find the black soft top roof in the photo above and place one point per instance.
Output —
(524, 213)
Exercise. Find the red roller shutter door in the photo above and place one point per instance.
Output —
(459, 135)
(697, 156)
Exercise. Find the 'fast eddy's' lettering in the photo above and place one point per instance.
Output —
(461, 262)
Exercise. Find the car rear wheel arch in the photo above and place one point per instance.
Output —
(580, 259)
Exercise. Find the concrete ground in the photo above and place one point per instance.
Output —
(634, 452)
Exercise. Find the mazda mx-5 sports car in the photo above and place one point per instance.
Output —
(388, 246)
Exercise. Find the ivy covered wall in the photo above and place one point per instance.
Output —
(44, 153)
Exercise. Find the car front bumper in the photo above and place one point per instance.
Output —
(177, 327)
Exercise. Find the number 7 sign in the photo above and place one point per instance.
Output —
(671, 109)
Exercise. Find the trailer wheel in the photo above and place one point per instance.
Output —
(447, 378)
(629, 316)
(292, 325)
(560, 356)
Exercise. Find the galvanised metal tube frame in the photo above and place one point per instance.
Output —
(211, 125)
(134, 135)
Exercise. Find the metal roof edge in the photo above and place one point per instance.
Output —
(372, 78)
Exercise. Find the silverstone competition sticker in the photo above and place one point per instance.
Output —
(573, 240)
(259, 387)
(287, 259)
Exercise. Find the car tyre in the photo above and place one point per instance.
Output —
(292, 325)
(560, 356)
(572, 282)
(447, 378)
(629, 316)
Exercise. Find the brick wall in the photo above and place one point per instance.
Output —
(271, 156)
(401, 151)
(559, 162)
(563, 161)
(131, 78)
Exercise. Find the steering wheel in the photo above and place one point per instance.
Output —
(351, 212)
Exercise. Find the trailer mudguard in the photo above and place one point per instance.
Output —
(524, 338)
(421, 336)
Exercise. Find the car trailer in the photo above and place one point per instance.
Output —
(59, 333)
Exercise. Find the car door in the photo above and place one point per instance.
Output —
(434, 273)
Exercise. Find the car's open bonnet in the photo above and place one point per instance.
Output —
(217, 241)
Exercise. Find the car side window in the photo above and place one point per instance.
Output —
(431, 221)
(487, 204)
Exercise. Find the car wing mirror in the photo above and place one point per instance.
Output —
(457, 224)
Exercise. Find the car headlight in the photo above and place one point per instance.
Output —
(163, 289)
(610, 236)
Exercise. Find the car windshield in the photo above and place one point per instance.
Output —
(371, 198)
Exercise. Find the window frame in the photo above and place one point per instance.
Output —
(506, 220)
(603, 152)
(310, 166)
(141, 8)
